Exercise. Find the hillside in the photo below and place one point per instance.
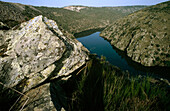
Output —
(14, 13)
(70, 21)
(143, 35)
(42, 69)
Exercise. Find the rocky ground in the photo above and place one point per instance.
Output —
(144, 35)
(34, 52)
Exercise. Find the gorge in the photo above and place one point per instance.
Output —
(45, 67)
(97, 45)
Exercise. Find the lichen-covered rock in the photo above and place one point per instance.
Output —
(36, 51)
(39, 100)
(144, 35)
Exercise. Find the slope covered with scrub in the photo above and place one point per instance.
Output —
(144, 35)
(69, 21)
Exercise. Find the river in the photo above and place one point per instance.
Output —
(96, 44)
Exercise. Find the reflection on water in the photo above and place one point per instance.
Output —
(96, 44)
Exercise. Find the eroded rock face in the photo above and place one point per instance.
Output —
(39, 100)
(144, 35)
(74, 8)
(37, 51)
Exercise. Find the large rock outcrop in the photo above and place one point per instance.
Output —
(144, 35)
(37, 51)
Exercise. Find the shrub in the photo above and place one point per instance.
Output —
(102, 86)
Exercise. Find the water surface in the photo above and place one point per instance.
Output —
(96, 44)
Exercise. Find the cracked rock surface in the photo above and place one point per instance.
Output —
(36, 51)
(39, 100)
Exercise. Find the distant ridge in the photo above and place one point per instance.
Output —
(71, 22)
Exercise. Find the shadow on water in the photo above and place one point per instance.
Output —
(157, 70)
(87, 32)
(85, 91)
(96, 44)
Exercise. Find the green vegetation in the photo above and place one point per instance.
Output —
(101, 86)
(69, 21)
(167, 63)
(145, 31)
(88, 18)
(30, 13)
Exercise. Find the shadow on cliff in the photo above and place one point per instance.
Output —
(58, 95)
(99, 86)
(87, 86)
(156, 70)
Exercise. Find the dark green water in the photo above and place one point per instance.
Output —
(96, 44)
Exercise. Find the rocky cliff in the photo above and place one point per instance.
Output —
(75, 8)
(34, 52)
(144, 35)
